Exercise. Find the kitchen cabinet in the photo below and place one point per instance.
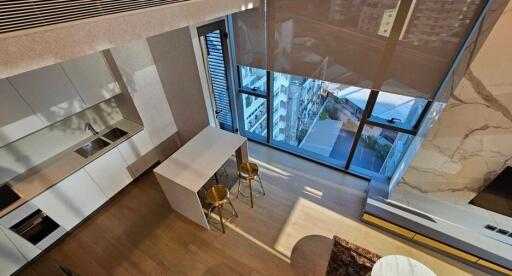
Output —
(16, 117)
(92, 78)
(49, 92)
(71, 200)
(139, 71)
(27, 249)
(136, 151)
(10, 258)
(110, 172)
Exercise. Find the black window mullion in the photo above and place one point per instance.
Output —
(422, 116)
(252, 93)
(370, 104)
(270, 109)
(383, 125)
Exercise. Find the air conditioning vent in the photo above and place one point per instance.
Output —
(16, 15)
(498, 230)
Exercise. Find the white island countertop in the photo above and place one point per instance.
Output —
(197, 161)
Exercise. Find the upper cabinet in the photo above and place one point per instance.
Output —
(16, 117)
(32, 100)
(49, 92)
(92, 78)
(139, 71)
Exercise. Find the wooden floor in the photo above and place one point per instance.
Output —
(289, 232)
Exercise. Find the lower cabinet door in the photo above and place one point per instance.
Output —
(138, 154)
(10, 258)
(135, 147)
(71, 200)
(110, 172)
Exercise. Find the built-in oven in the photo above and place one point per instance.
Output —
(33, 225)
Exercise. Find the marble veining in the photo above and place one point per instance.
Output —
(471, 142)
(400, 265)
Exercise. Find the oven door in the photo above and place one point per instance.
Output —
(33, 225)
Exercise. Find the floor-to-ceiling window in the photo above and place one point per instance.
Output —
(315, 118)
(344, 84)
(320, 120)
(252, 98)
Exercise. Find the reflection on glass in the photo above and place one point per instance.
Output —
(253, 79)
(398, 110)
(336, 41)
(249, 37)
(254, 115)
(343, 41)
(315, 118)
(380, 150)
(433, 33)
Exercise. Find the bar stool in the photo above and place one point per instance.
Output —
(217, 196)
(249, 172)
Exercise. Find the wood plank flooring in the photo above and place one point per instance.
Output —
(289, 232)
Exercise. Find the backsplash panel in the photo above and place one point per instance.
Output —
(24, 154)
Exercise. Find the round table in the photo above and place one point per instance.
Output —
(396, 265)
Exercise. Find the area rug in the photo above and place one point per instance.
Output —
(350, 259)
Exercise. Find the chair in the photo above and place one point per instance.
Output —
(249, 172)
(217, 196)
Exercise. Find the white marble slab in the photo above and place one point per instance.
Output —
(396, 265)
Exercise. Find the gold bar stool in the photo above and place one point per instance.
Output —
(249, 172)
(217, 196)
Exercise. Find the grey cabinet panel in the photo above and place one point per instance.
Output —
(10, 258)
(92, 78)
(49, 92)
(16, 117)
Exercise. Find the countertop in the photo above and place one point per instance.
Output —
(52, 171)
(198, 160)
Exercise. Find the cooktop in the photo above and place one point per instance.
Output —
(7, 196)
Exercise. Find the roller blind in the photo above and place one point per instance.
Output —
(403, 47)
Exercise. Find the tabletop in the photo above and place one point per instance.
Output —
(196, 162)
(396, 265)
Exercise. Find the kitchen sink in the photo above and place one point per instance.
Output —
(92, 147)
(115, 134)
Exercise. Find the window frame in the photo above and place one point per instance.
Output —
(366, 119)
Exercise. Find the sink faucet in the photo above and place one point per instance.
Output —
(88, 126)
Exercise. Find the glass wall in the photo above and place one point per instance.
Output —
(325, 121)
(379, 150)
(254, 114)
(315, 118)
